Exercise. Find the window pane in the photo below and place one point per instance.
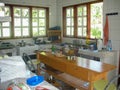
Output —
(79, 21)
(42, 31)
(35, 22)
(25, 32)
(97, 20)
(80, 11)
(41, 22)
(6, 32)
(18, 32)
(21, 21)
(17, 21)
(79, 31)
(0, 32)
(5, 27)
(72, 12)
(5, 24)
(72, 21)
(17, 12)
(84, 11)
(25, 22)
(68, 31)
(68, 21)
(41, 13)
(35, 31)
(72, 31)
(84, 31)
(7, 11)
(84, 21)
(34, 13)
(69, 12)
(25, 13)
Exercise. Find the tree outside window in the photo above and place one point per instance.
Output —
(96, 20)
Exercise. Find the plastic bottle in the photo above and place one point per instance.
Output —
(109, 45)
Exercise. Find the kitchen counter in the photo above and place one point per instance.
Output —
(109, 57)
(95, 53)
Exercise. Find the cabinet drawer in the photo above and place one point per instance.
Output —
(61, 66)
(58, 65)
(78, 72)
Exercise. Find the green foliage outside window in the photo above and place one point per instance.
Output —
(96, 20)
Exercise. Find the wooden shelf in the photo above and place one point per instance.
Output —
(72, 81)
(55, 33)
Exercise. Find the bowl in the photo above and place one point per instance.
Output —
(35, 80)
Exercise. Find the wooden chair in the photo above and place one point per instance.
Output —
(107, 85)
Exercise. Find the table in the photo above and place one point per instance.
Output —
(80, 73)
(14, 69)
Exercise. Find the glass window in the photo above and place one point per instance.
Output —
(21, 22)
(96, 20)
(5, 27)
(38, 22)
(87, 21)
(69, 22)
(82, 21)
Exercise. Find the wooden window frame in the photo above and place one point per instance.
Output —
(75, 19)
(30, 20)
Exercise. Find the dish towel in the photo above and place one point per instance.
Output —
(106, 31)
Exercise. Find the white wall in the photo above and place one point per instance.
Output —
(111, 6)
